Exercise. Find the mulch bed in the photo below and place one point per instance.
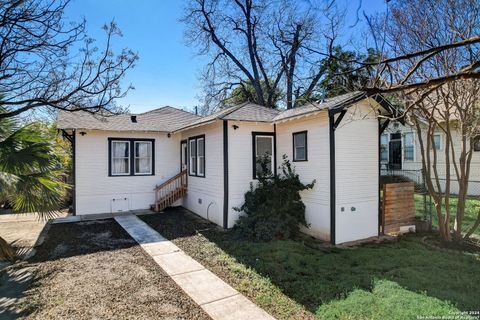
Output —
(95, 270)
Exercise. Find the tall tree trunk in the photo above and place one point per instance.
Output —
(292, 66)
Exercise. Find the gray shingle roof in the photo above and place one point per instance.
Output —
(166, 119)
(252, 112)
(169, 119)
(331, 103)
(246, 111)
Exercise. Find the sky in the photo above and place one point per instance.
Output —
(167, 71)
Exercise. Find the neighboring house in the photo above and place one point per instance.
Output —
(401, 155)
(119, 160)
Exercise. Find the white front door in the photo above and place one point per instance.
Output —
(183, 155)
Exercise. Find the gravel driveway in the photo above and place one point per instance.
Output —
(94, 270)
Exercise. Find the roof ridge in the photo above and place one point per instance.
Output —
(170, 107)
(310, 103)
(233, 109)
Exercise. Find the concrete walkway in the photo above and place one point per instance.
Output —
(212, 294)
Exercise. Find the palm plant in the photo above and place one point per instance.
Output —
(30, 172)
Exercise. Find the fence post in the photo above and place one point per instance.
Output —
(383, 208)
(425, 205)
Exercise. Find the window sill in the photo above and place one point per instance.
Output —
(132, 175)
(195, 176)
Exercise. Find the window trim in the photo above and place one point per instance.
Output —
(186, 153)
(135, 157)
(196, 138)
(305, 132)
(111, 158)
(131, 158)
(255, 134)
(441, 141)
(404, 146)
(387, 145)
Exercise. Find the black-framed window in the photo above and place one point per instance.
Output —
(131, 157)
(476, 144)
(196, 159)
(143, 157)
(300, 152)
(263, 146)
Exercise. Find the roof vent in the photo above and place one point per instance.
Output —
(134, 119)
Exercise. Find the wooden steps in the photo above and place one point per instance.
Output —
(170, 191)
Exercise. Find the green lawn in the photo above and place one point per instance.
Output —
(400, 280)
(471, 211)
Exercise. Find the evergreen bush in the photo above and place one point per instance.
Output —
(273, 209)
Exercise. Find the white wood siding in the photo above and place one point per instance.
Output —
(317, 200)
(356, 158)
(240, 162)
(205, 194)
(95, 190)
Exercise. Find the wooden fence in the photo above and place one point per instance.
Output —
(398, 207)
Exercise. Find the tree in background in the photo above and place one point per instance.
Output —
(435, 74)
(341, 73)
(32, 167)
(276, 46)
(48, 63)
(245, 92)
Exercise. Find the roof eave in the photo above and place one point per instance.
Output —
(195, 125)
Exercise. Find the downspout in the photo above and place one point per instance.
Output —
(275, 149)
(333, 124)
(331, 117)
(379, 175)
(381, 129)
(74, 178)
(225, 174)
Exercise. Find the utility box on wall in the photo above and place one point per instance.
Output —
(119, 205)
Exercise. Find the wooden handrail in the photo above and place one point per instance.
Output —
(170, 191)
(177, 176)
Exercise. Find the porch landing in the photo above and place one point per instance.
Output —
(218, 299)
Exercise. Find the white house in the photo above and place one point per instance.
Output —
(401, 155)
(119, 160)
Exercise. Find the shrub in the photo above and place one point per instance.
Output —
(273, 209)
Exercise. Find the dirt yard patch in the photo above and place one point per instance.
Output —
(95, 270)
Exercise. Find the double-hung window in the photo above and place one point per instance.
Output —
(143, 157)
(263, 154)
(384, 147)
(196, 147)
(131, 157)
(120, 158)
(409, 149)
(437, 141)
(300, 146)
